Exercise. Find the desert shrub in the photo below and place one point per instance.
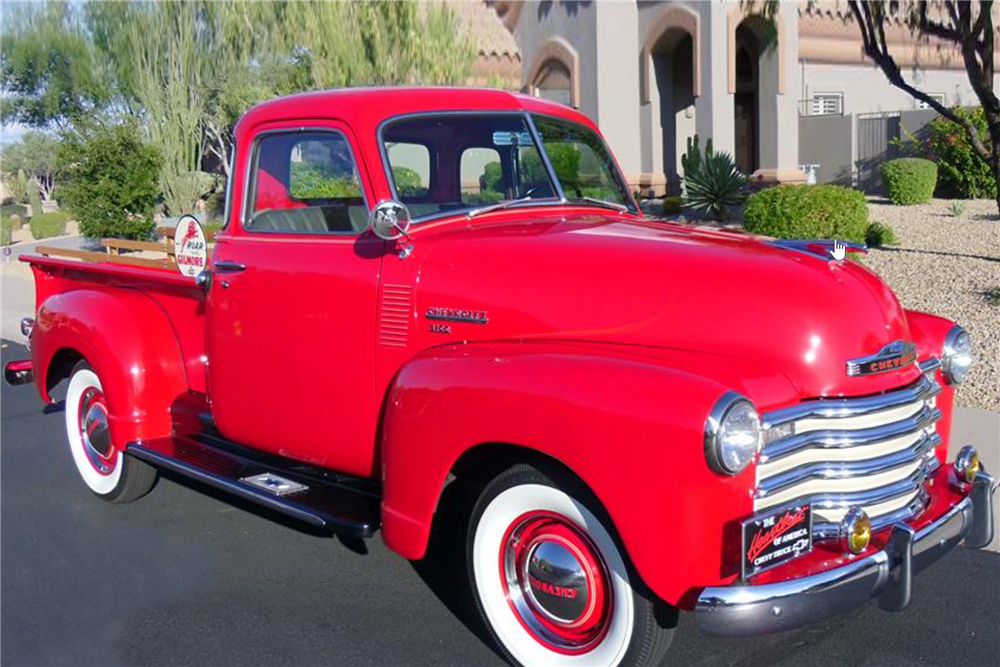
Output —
(187, 189)
(672, 205)
(808, 211)
(960, 169)
(878, 235)
(215, 206)
(909, 180)
(313, 181)
(45, 225)
(956, 208)
(212, 227)
(111, 181)
(6, 230)
(8, 210)
(712, 183)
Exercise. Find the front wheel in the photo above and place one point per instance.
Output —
(102, 463)
(552, 584)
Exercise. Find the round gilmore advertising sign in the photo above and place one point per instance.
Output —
(190, 247)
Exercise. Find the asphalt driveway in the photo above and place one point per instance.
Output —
(185, 578)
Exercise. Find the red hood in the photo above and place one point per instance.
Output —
(597, 278)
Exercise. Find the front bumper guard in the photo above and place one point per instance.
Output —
(888, 575)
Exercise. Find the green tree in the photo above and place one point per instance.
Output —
(48, 69)
(111, 178)
(35, 155)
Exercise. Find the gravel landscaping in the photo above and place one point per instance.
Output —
(949, 266)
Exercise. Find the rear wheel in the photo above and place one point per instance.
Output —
(552, 584)
(102, 463)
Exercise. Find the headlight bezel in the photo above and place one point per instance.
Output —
(724, 409)
(951, 352)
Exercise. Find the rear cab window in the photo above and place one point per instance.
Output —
(305, 182)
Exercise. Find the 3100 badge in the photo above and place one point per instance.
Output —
(775, 538)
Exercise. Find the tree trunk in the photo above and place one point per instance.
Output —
(996, 176)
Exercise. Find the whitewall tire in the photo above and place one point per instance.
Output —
(102, 463)
(551, 581)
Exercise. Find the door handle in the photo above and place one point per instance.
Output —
(225, 266)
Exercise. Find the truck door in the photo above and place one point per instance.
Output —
(291, 310)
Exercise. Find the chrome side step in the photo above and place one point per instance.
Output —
(320, 498)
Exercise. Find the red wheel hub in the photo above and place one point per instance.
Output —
(95, 435)
(556, 582)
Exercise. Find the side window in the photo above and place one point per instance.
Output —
(306, 183)
(481, 176)
(411, 169)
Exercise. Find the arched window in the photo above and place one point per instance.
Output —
(554, 82)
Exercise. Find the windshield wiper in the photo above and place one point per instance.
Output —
(496, 207)
(600, 202)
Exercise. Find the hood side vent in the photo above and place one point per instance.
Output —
(395, 310)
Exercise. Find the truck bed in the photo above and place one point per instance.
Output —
(176, 295)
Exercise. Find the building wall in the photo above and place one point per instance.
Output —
(576, 25)
(866, 89)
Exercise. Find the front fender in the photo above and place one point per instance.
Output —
(129, 342)
(627, 424)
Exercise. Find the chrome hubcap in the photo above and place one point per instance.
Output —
(556, 582)
(94, 431)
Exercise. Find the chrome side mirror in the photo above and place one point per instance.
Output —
(389, 220)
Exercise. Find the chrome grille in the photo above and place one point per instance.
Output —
(873, 452)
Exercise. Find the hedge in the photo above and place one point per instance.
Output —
(45, 225)
(909, 180)
(6, 228)
(808, 211)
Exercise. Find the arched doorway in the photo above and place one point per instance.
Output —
(672, 58)
(746, 103)
(554, 82)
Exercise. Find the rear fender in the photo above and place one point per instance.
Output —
(129, 342)
(630, 427)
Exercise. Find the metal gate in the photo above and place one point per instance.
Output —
(876, 132)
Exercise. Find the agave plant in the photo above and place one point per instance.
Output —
(712, 182)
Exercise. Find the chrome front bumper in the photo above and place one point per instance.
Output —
(744, 610)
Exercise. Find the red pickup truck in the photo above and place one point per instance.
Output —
(416, 288)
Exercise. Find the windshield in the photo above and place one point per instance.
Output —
(582, 162)
(473, 162)
(454, 163)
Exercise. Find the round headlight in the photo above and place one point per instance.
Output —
(956, 357)
(732, 434)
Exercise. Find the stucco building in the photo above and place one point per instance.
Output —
(653, 74)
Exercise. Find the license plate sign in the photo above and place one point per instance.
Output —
(776, 538)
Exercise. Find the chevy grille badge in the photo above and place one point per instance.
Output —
(894, 356)
(458, 315)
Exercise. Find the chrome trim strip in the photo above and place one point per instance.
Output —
(839, 438)
(845, 469)
(881, 494)
(746, 610)
(929, 365)
(832, 408)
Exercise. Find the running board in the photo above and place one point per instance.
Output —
(321, 498)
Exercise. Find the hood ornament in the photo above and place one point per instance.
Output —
(894, 356)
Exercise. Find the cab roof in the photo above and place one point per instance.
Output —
(365, 108)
